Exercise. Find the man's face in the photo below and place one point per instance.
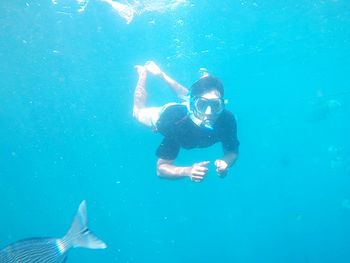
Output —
(208, 107)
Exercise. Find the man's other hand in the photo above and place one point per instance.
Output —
(221, 168)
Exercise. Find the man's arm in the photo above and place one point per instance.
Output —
(167, 169)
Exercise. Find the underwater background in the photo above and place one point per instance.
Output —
(67, 132)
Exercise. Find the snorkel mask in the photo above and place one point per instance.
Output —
(206, 101)
(207, 108)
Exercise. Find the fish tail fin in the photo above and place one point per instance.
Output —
(79, 234)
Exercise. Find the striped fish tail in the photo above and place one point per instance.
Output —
(79, 234)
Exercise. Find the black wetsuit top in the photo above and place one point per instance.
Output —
(180, 131)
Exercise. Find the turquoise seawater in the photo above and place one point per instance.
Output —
(67, 132)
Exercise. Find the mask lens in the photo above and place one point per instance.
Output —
(202, 105)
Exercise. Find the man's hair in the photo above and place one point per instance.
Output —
(206, 84)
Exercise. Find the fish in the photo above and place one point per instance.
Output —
(53, 250)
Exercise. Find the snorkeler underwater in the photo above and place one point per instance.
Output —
(198, 131)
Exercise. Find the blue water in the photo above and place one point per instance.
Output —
(67, 132)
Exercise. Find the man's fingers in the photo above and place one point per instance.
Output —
(205, 163)
(220, 165)
(220, 169)
(196, 179)
(201, 168)
(199, 173)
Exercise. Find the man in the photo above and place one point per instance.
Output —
(198, 122)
